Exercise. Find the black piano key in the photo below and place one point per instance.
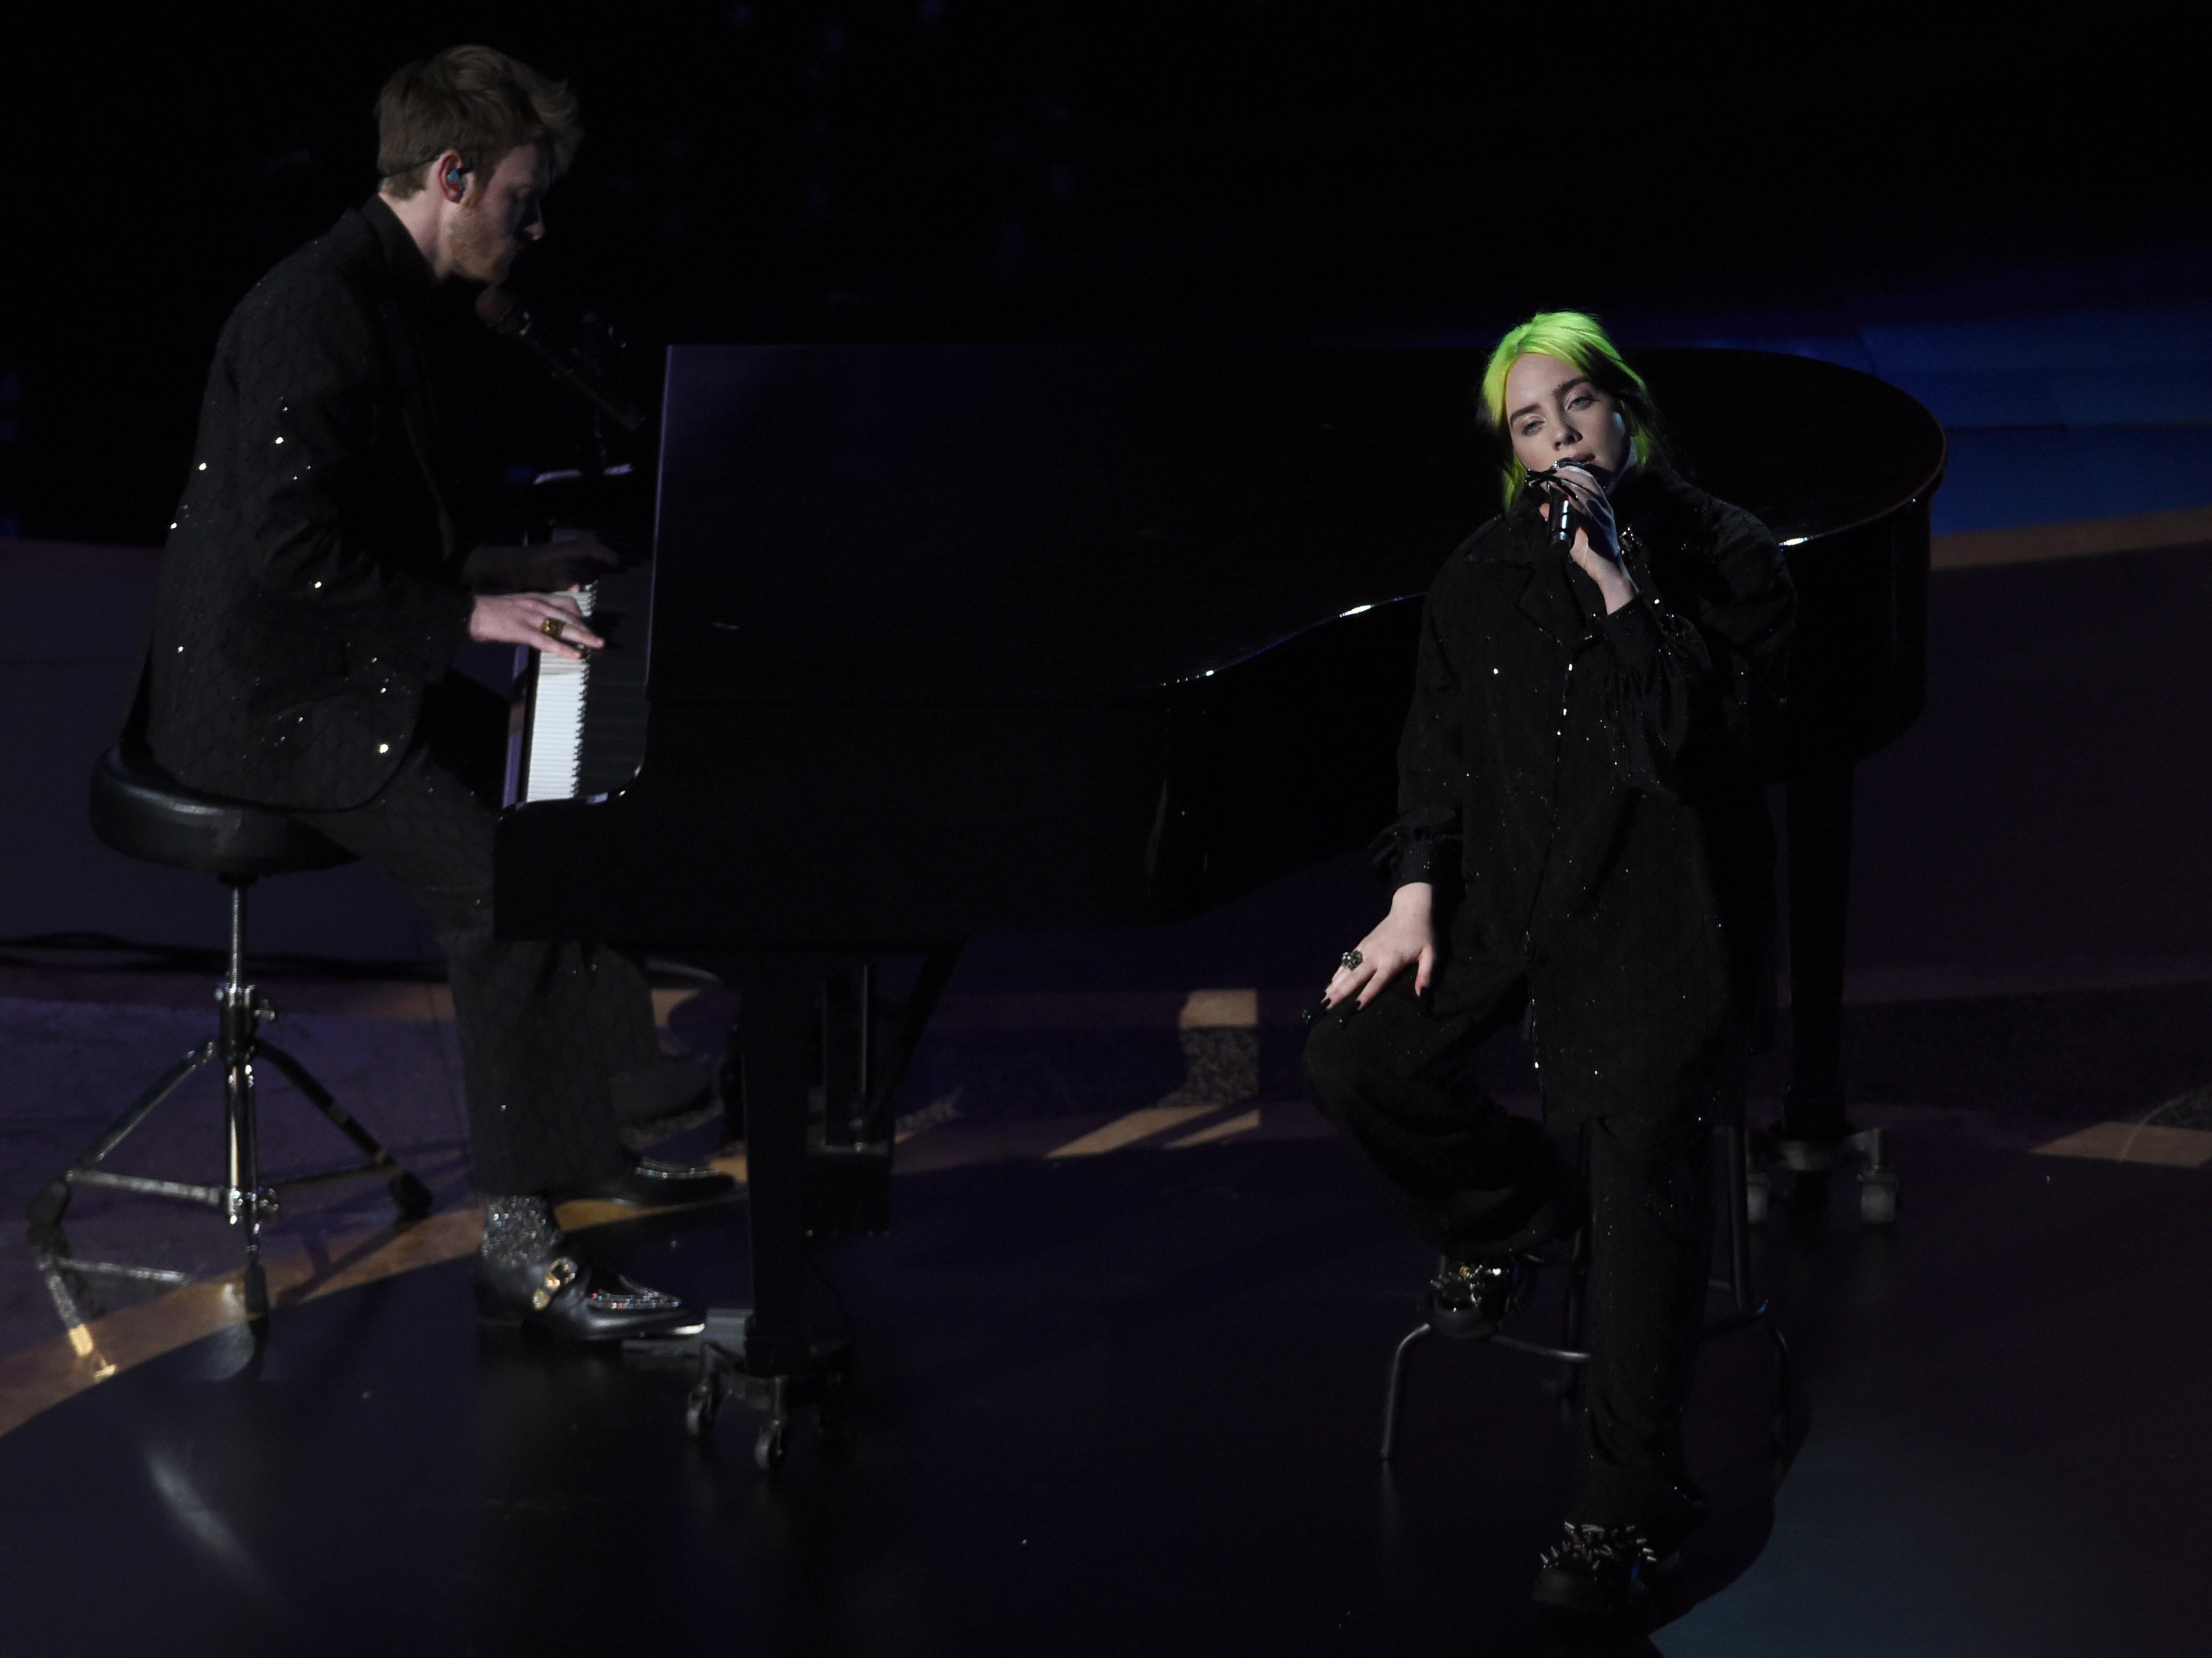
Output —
(614, 695)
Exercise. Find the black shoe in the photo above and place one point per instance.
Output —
(572, 1298)
(1600, 1571)
(653, 1185)
(1468, 1298)
(671, 1087)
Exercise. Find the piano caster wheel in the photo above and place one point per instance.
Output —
(1878, 1197)
(409, 1196)
(701, 1406)
(768, 1449)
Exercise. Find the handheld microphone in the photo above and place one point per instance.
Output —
(1567, 515)
(1565, 519)
(505, 314)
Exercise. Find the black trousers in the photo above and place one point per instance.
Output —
(1473, 1178)
(543, 1027)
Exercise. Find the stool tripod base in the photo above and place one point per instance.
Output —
(243, 1198)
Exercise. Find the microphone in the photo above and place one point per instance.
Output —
(1566, 519)
(505, 314)
(1566, 512)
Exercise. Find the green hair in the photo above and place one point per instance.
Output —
(1579, 340)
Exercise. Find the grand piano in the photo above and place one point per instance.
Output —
(935, 640)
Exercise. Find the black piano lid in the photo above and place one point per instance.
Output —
(1814, 449)
(947, 523)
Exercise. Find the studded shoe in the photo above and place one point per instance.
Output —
(1600, 1571)
(570, 1298)
(1468, 1298)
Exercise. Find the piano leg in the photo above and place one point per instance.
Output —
(778, 1018)
(800, 1020)
(764, 1355)
(1820, 818)
(1814, 1138)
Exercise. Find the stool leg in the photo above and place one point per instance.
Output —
(240, 1023)
(1572, 1322)
(411, 1195)
(1739, 1197)
(1395, 1396)
(48, 1207)
(246, 1195)
(1574, 1310)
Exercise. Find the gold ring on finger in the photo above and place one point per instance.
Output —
(550, 627)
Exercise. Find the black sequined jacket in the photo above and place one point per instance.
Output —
(1582, 790)
(308, 593)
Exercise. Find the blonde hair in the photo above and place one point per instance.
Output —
(478, 101)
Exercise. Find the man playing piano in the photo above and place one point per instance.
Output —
(1583, 845)
(311, 595)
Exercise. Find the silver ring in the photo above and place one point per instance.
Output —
(1350, 960)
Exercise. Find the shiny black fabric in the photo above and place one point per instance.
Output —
(1581, 790)
(309, 593)
(543, 1025)
(309, 601)
(1394, 1079)
(1652, 1237)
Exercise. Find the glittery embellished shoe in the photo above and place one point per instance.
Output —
(1600, 1571)
(1466, 1298)
(570, 1298)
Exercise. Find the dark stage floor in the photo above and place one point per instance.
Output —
(1130, 1401)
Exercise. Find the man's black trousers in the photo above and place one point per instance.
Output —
(543, 1027)
(1473, 1178)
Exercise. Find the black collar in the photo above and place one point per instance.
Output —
(400, 252)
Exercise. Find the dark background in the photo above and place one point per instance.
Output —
(993, 169)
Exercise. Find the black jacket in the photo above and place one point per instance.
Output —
(1582, 789)
(310, 591)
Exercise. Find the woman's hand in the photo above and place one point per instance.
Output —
(1613, 580)
(520, 618)
(1407, 937)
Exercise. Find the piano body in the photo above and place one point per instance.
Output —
(1841, 466)
(941, 640)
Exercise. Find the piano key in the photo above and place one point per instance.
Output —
(583, 730)
(554, 724)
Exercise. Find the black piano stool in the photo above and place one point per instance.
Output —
(1743, 1311)
(141, 812)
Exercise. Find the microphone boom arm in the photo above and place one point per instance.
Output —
(507, 316)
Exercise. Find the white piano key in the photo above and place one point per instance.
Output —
(554, 738)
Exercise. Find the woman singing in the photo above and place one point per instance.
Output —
(1582, 848)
